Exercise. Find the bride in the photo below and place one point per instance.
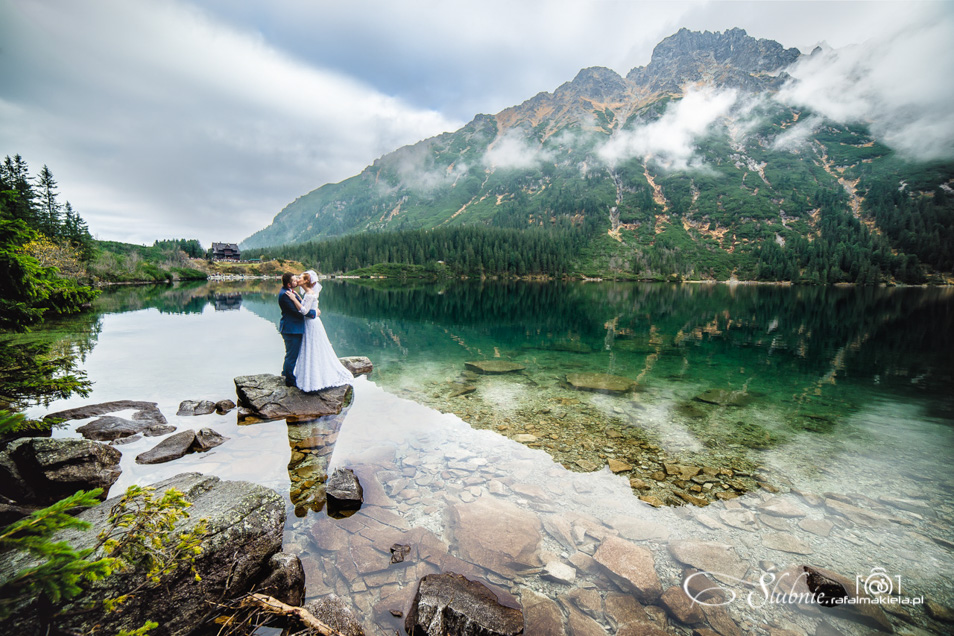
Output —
(318, 366)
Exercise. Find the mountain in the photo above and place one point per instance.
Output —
(688, 166)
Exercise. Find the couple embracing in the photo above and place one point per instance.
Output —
(310, 361)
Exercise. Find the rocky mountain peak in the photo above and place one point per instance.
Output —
(597, 83)
(730, 58)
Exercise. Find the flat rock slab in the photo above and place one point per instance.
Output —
(632, 565)
(266, 397)
(600, 382)
(498, 535)
(110, 427)
(145, 411)
(714, 558)
(453, 605)
(493, 367)
(723, 397)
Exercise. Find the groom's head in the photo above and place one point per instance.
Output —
(289, 280)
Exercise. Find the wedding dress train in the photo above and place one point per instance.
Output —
(318, 366)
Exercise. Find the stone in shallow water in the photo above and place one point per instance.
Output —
(344, 491)
(559, 572)
(785, 542)
(110, 427)
(600, 382)
(206, 439)
(543, 616)
(493, 367)
(781, 507)
(196, 407)
(452, 605)
(716, 558)
(173, 447)
(723, 397)
(266, 397)
(632, 565)
(497, 535)
(821, 527)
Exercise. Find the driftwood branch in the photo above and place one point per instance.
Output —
(274, 606)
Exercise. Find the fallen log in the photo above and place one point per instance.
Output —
(274, 606)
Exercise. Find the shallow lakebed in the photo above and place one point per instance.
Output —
(813, 426)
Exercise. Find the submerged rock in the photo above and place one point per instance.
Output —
(600, 382)
(723, 397)
(266, 397)
(632, 566)
(453, 605)
(41, 470)
(284, 579)
(494, 367)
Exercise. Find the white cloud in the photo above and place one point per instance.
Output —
(155, 112)
(514, 151)
(670, 140)
(898, 83)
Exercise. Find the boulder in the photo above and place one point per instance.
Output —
(245, 526)
(452, 605)
(173, 447)
(600, 382)
(147, 412)
(110, 427)
(344, 491)
(493, 367)
(335, 613)
(196, 407)
(41, 470)
(832, 591)
(358, 365)
(284, 579)
(266, 397)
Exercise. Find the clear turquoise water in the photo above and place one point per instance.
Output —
(848, 391)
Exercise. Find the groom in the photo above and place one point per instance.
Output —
(291, 326)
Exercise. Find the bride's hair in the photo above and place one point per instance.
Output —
(312, 277)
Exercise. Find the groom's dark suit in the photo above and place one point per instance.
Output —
(292, 327)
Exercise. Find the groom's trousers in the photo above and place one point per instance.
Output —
(292, 348)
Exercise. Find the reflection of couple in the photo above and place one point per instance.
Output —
(310, 361)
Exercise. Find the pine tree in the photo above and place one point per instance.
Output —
(49, 209)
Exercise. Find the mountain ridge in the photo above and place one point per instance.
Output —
(628, 156)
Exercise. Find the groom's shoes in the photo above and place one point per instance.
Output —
(290, 381)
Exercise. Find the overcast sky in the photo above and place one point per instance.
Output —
(204, 118)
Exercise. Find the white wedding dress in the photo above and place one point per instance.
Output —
(318, 366)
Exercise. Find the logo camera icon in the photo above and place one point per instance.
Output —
(877, 583)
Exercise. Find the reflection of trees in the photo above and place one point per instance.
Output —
(41, 366)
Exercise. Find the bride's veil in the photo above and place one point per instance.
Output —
(312, 275)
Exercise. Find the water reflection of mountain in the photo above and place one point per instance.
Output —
(901, 335)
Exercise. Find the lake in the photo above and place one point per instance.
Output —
(769, 427)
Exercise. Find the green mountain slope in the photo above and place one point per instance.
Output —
(687, 167)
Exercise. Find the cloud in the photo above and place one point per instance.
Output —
(898, 83)
(796, 137)
(513, 150)
(158, 121)
(670, 140)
